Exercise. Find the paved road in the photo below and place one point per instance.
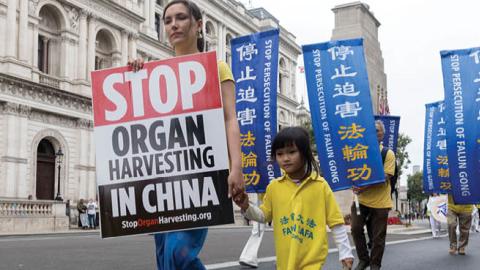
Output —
(88, 252)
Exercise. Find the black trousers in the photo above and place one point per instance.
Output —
(378, 228)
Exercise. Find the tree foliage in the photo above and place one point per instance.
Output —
(308, 126)
(415, 189)
(402, 156)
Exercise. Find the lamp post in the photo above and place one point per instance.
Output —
(59, 156)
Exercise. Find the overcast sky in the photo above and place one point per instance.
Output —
(411, 35)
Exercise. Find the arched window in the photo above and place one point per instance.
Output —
(104, 49)
(49, 31)
(210, 36)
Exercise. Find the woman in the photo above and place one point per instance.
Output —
(183, 25)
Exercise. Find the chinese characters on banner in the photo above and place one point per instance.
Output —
(342, 115)
(161, 155)
(435, 160)
(392, 124)
(255, 69)
(461, 81)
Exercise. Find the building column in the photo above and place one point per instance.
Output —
(146, 15)
(64, 51)
(45, 54)
(124, 47)
(82, 46)
(35, 46)
(117, 59)
(23, 31)
(151, 20)
(132, 46)
(91, 45)
(11, 44)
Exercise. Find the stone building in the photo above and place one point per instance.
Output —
(48, 49)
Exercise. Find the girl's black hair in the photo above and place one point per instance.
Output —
(194, 11)
(299, 137)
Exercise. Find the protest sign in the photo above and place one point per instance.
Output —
(435, 159)
(342, 115)
(161, 150)
(255, 69)
(392, 124)
(461, 81)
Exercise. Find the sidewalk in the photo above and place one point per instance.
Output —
(415, 228)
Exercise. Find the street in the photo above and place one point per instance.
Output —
(86, 251)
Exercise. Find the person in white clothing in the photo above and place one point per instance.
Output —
(434, 224)
(91, 211)
(475, 217)
(249, 256)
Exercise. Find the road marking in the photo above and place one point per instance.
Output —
(332, 250)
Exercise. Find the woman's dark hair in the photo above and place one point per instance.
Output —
(194, 11)
(299, 137)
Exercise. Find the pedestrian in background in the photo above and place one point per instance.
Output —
(475, 219)
(249, 256)
(460, 215)
(183, 23)
(375, 202)
(82, 213)
(300, 204)
(91, 212)
(435, 225)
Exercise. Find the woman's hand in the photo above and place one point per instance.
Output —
(242, 201)
(236, 185)
(358, 190)
(136, 64)
(347, 263)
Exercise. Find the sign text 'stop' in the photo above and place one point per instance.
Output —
(161, 88)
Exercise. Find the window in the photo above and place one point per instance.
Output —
(104, 49)
(157, 25)
(209, 36)
(49, 41)
(228, 51)
(42, 54)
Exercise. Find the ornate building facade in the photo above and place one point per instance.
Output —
(48, 50)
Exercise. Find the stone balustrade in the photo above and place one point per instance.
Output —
(25, 208)
(32, 216)
(48, 80)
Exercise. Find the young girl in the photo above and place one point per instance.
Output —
(300, 204)
(183, 26)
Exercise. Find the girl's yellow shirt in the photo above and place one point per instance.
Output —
(300, 215)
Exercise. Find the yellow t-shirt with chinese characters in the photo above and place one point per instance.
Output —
(300, 215)
(378, 196)
(458, 208)
(224, 72)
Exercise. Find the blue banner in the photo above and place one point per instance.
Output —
(255, 69)
(342, 116)
(392, 124)
(435, 159)
(461, 81)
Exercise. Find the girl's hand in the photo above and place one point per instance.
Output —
(347, 263)
(135, 64)
(236, 184)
